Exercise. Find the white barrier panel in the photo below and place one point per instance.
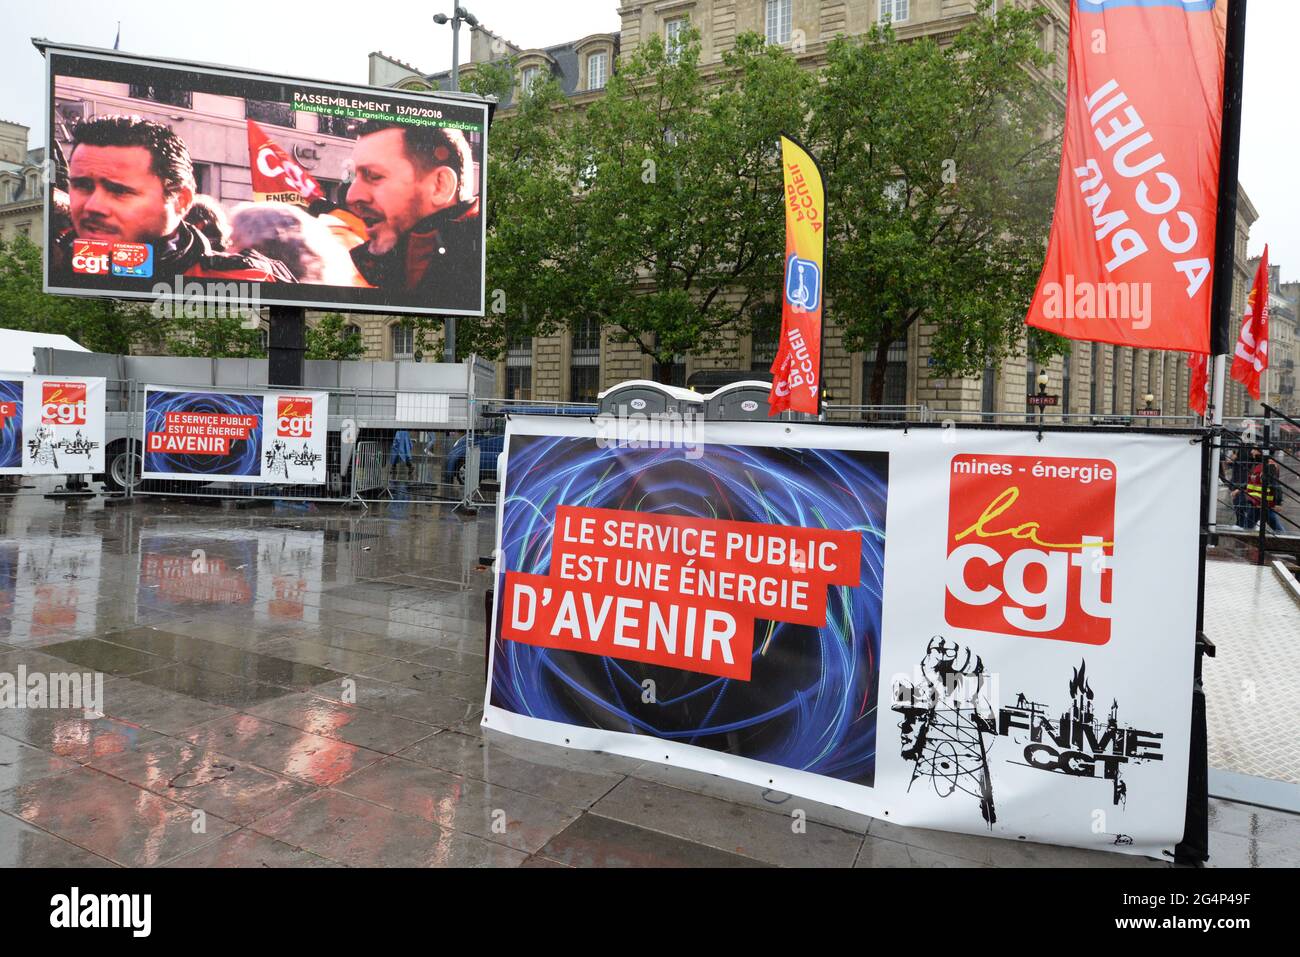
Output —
(976, 630)
(274, 437)
(51, 425)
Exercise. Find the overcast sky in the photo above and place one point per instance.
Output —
(330, 40)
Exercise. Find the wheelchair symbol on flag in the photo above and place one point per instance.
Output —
(803, 282)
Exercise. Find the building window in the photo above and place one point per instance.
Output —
(895, 376)
(528, 78)
(777, 21)
(519, 368)
(674, 31)
(894, 10)
(160, 93)
(403, 342)
(584, 375)
(271, 112)
(597, 70)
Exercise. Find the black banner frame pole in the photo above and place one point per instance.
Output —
(1194, 848)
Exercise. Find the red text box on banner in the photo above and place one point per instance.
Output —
(1131, 254)
(674, 591)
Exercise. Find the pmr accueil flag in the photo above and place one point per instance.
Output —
(797, 370)
(1131, 254)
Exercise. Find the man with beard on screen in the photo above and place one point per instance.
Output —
(415, 190)
(131, 180)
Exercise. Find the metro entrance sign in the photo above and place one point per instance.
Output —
(1043, 401)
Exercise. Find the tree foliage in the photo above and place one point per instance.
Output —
(657, 208)
(100, 325)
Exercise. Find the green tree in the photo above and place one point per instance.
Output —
(680, 229)
(332, 337)
(100, 325)
(940, 173)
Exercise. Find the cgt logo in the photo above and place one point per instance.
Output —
(1031, 544)
(63, 403)
(90, 257)
(293, 418)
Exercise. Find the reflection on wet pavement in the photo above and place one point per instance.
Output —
(303, 688)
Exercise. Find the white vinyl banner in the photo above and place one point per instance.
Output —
(276, 438)
(980, 630)
(51, 425)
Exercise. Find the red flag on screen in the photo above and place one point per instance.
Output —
(277, 176)
(1251, 358)
(1131, 254)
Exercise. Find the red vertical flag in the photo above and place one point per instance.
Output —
(1131, 253)
(1198, 399)
(1251, 358)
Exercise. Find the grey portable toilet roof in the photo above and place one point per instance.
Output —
(724, 404)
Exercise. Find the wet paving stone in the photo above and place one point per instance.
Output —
(761, 835)
(476, 758)
(440, 711)
(221, 785)
(1001, 852)
(301, 755)
(111, 818)
(332, 719)
(594, 841)
(22, 845)
(72, 736)
(881, 853)
(97, 655)
(247, 848)
(360, 834)
(156, 709)
(213, 687)
(423, 678)
(518, 820)
(214, 656)
(21, 763)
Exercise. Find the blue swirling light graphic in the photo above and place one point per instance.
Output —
(11, 427)
(244, 457)
(811, 701)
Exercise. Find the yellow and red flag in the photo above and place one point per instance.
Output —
(797, 370)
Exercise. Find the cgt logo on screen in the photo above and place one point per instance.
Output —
(1031, 546)
(293, 417)
(63, 403)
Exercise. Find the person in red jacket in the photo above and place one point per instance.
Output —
(131, 180)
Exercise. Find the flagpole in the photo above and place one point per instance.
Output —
(1226, 233)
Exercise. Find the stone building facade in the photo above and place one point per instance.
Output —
(1094, 379)
(22, 202)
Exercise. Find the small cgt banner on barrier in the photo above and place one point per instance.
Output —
(274, 437)
(967, 629)
(51, 425)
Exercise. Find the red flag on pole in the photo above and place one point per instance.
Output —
(1251, 358)
(1198, 399)
(1131, 253)
(277, 175)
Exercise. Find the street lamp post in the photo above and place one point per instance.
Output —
(1042, 391)
(459, 15)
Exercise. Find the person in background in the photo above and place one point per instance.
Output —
(1263, 501)
(131, 180)
(305, 244)
(416, 191)
(207, 216)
